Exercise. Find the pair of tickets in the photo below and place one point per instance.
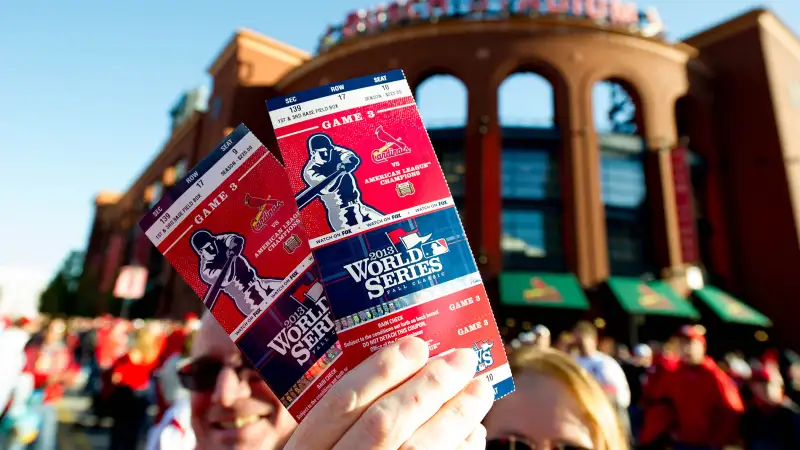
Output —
(352, 245)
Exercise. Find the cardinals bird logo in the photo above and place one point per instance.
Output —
(541, 292)
(652, 300)
(392, 147)
(267, 207)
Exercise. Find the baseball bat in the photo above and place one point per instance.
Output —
(213, 294)
(309, 194)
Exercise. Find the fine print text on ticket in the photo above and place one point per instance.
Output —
(388, 242)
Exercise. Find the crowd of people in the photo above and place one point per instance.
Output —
(674, 395)
(184, 385)
(129, 370)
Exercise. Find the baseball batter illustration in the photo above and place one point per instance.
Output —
(329, 175)
(223, 268)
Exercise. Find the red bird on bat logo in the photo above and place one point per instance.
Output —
(267, 207)
(392, 146)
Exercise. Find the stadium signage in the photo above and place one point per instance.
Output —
(617, 13)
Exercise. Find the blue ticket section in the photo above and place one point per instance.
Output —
(195, 174)
(292, 334)
(394, 261)
(286, 101)
(503, 388)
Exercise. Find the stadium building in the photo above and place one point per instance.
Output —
(684, 207)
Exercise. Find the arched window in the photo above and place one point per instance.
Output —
(442, 102)
(622, 178)
(531, 183)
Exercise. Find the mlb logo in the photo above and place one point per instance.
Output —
(308, 291)
(435, 248)
(408, 239)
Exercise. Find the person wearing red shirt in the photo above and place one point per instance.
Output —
(50, 363)
(131, 388)
(657, 412)
(772, 420)
(706, 404)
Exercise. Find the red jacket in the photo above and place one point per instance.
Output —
(133, 375)
(52, 367)
(111, 345)
(706, 404)
(657, 412)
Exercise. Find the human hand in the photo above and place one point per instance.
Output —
(398, 399)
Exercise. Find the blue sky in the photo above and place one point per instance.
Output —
(86, 86)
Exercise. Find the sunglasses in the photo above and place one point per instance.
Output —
(517, 443)
(201, 374)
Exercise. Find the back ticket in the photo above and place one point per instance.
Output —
(231, 228)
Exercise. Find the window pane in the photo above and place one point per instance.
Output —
(524, 233)
(622, 180)
(529, 174)
(453, 167)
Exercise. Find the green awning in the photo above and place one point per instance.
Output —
(550, 290)
(731, 309)
(653, 298)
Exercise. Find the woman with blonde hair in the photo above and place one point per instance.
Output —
(557, 406)
(131, 379)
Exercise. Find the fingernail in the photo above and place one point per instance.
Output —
(462, 358)
(413, 348)
(480, 388)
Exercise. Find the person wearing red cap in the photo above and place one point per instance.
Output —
(771, 421)
(704, 401)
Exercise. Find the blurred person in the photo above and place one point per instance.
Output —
(770, 362)
(542, 334)
(13, 341)
(21, 419)
(527, 338)
(396, 398)
(174, 344)
(622, 353)
(168, 386)
(790, 368)
(608, 346)
(556, 405)
(174, 430)
(566, 343)
(704, 401)
(19, 426)
(656, 411)
(605, 369)
(770, 421)
(176, 340)
(635, 368)
(112, 344)
(50, 363)
(130, 393)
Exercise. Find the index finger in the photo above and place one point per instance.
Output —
(357, 390)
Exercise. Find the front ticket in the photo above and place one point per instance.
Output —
(390, 247)
(231, 228)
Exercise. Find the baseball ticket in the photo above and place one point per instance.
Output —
(389, 245)
(231, 228)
